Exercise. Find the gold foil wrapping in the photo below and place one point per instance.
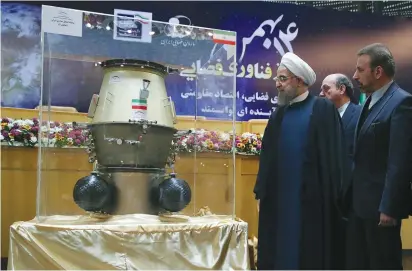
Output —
(129, 242)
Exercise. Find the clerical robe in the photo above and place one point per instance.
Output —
(302, 166)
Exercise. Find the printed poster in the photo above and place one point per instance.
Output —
(135, 26)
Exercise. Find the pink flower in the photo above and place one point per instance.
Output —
(15, 132)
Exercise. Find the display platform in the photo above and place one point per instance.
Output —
(141, 242)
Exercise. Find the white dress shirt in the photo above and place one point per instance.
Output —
(342, 109)
(377, 95)
(300, 98)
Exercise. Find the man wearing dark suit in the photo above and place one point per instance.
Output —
(380, 187)
(339, 89)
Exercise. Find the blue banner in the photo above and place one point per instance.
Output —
(328, 40)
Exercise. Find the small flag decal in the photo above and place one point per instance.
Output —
(139, 109)
(224, 37)
(143, 107)
(138, 102)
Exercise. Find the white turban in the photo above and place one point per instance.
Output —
(299, 68)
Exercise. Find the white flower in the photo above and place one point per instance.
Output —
(19, 122)
(33, 139)
(28, 122)
(246, 135)
(224, 136)
(1, 137)
(55, 130)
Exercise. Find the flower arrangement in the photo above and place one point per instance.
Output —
(213, 141)
(204, 141)
(249, 143)
(54, 134)
(21, 132)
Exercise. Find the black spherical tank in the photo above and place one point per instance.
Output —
(94, 194)
(174, 194)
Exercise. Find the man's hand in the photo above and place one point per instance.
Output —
(387, 221)
(258, 205)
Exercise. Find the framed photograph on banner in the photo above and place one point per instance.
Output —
(132, 25)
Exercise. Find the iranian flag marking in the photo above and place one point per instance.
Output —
(139, 104)
(224, 37)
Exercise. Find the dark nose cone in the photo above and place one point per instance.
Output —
(174, 194)
(94, 194)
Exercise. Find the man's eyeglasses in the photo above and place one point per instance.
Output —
(283, 78)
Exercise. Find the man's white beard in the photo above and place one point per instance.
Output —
(284, 98)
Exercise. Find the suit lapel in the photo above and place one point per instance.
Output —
(348, 115)
(374, 111)
(357, 123)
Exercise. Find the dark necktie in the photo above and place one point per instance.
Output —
(365, 113)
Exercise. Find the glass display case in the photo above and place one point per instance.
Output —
(137, 116)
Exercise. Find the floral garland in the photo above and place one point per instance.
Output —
(21, 132)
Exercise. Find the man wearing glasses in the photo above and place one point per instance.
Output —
(302, 166)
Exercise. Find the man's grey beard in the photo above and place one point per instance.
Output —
(284, 98)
